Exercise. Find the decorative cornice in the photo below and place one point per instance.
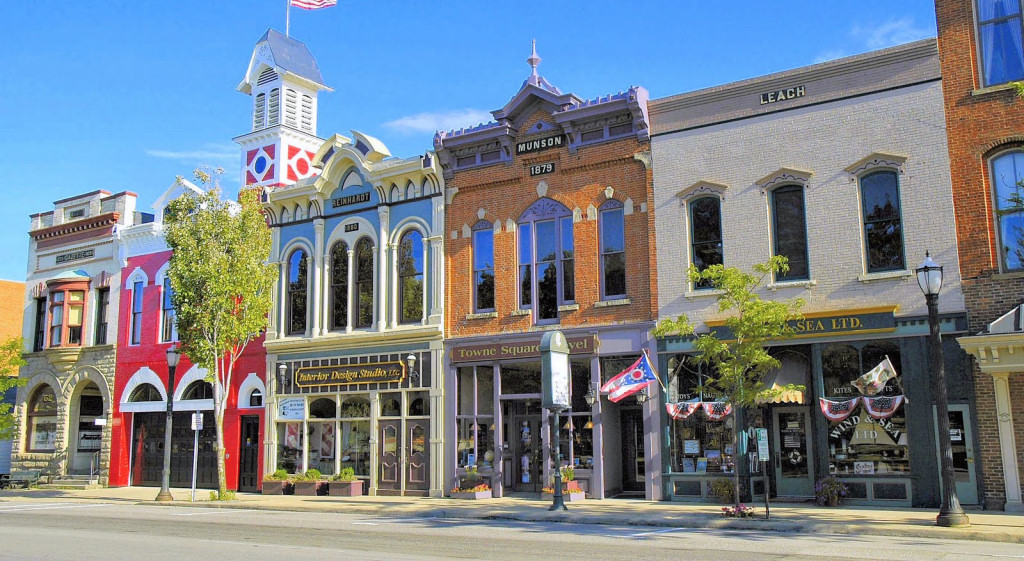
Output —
(784, 175)
(100, 221)
(876, 160)
(701, 188)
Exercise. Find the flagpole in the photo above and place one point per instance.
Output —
(287, 16)
(655, 371)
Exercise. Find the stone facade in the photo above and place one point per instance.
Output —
(985, 120)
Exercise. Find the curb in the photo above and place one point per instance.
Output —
(697, 522)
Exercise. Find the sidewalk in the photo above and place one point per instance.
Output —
(985, 525)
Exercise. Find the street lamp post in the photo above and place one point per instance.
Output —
(173, 355)
(929, 278)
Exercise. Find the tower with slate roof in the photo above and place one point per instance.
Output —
(283, 80)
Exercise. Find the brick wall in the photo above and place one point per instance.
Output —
(504, 191)
(12, 296)
(980, 122)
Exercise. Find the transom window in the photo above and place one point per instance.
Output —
(1008, 187)
(483, 266)
(613, 250)
(297, 274)
(789, 229)
(883, 221)
(546, 259)
(200, 389)
(999, 41)
(410, 277)
(145, 392)
(705, 234)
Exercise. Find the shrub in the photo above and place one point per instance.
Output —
(226, 496)
(312, 475)
(279, 475)
(346, 474)
(829, 491)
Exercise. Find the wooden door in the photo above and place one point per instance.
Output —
(390, 477)
(417, 463)
(249, 454)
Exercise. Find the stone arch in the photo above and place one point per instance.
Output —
(410, 223)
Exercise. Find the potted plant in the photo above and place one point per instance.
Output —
(571, 491)
(310, 484)
(345, 484)
(470, 486)
(721, 489)
(829, 491)
(277, 483)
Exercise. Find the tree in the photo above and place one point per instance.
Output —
(222, 284)
(738, 354)
(10, 361)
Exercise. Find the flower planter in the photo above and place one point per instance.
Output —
(277, 488)
(345, 488)
(310, 488)
(471, 495)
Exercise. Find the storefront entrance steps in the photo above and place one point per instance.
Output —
(802, 518)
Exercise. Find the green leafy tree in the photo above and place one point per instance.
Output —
(740, 360)
(222, 284)
(10, 361)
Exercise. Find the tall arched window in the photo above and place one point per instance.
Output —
(42, 421)
(705, 234)
(883, 221)
(200, 389)
(613, 250)
(1008, 187)
(364, 283)
(789, 230)
(483, 267)
(297, 273)
(410, 277)
(546, 259)
(339, 286)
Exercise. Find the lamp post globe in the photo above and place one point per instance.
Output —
(173, 356)
(929, 278)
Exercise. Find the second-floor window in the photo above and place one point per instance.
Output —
(339, 286)
(39, 342)
(364, 283)
(483, 267)
(168, 327)
(410, 277)
(789, 230)
(67, 310)
(705, 234)
(102, 304)
(999, 41)
(297, 274)
(1008, 186)
(136, 319)
(883, 221)
(613, 251)
(546, 259)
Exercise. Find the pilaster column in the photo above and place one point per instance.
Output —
(393, 311)
(351, 289)
(311, 277)
(316, 296)
(380, 273)
(426, 287)
(378, 288)
(282, 299)
(1007, 442)
(435, 276)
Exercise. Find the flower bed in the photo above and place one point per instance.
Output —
(482, 491)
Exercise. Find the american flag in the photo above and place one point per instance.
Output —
(313, 4)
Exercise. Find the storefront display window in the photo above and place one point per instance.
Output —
(475, 417)
(42, 421)
(355, 435)
(867, 426)
(577, 430)
(699, 444)
(290, 443)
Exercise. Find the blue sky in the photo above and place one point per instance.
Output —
(125, 95)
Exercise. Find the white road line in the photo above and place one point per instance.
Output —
(364, 524)
(652, 532)
(52, 507)
(383, 520)
(210, 511)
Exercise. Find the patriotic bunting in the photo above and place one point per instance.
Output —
(882, 407)
(717, 410)
(313, 4)
(837, 411)
(682, 410)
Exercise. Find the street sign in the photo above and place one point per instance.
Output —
(197, 421)
(762, 445)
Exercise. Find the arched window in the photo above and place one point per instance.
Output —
(364, 283)
(200, 389)
(546, 259)
(256, 398)
(483, 267)
(323, 408)
(705, 234)
(410, 277)
(42, 421)
(145, 392)
(883, 221)
(306, 122)
(789, 230)
(297, 271)
(339, 286)
(613, 250)
(390, 405)
(396, 194)
(259, 112)
(1008, 187)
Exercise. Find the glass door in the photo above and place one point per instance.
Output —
(390, 457)
(417, 465)
(794, 468)
(961, 438)
(634, 467)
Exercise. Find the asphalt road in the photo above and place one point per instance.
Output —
(112, 532)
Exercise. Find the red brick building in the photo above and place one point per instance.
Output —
(980, 49)
(548, 225)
